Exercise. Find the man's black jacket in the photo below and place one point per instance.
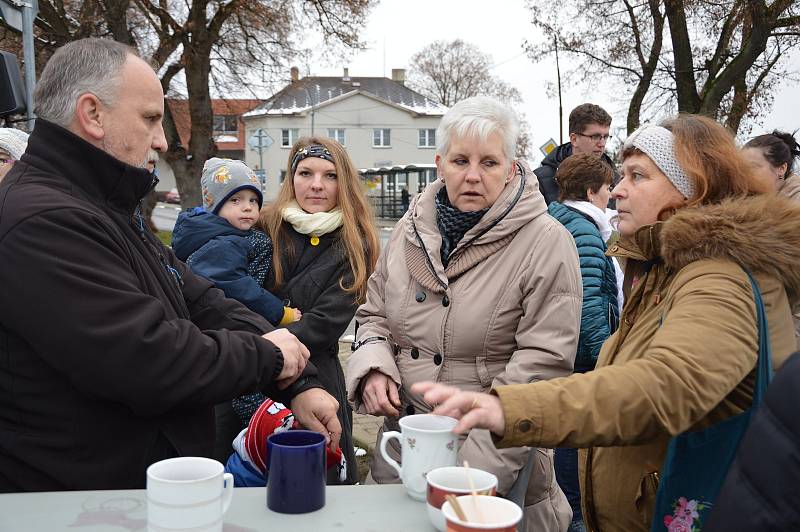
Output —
(112, 353)
(546, 173)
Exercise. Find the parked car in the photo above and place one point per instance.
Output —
(173, 196)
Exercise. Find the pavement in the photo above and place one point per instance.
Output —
(365, 427)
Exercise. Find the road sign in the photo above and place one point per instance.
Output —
(260, 140)
(12, 12)
(548, 147)
(19, 15)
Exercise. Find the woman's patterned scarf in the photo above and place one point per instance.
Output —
(453, 224)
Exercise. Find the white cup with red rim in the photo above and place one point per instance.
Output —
(455, 480)
(484, 513)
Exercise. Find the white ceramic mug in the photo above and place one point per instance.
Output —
(189, 492)
(426, 442)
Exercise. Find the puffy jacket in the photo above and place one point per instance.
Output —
(215, 249)
(760, 492)
(599, 312)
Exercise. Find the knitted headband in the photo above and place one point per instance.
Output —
(13, 141)
(314, 150)
(657, 143)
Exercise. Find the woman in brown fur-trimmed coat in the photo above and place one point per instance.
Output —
(691, 219)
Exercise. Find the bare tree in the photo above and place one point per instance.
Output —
(200, 45)
(719, 58)
(449, 71)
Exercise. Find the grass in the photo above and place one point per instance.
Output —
(165, 237)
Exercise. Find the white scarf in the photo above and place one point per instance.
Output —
(319, 223)
(602, 218)
(595, 213)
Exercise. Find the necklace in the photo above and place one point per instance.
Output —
(314, 240)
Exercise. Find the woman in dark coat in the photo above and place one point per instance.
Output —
(326, 247)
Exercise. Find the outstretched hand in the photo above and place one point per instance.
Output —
(472, 409)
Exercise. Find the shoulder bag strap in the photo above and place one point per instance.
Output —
(764, 364)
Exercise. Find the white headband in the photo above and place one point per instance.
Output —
(656, 143)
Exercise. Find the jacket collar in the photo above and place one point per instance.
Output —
(518, 203)
(99, 175)
(644, 245)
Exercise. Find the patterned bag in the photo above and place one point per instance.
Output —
(697, 462)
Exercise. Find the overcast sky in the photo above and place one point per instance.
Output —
(396, 29)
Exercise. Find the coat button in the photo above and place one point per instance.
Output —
(437, 359)
(420, 296)
(414, 353)
(410, 410)
(445, 301)
(524, 426)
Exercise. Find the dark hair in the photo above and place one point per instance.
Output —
(580, 173)
(778, 148)
(587, 114)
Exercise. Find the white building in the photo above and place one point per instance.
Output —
(380, 121)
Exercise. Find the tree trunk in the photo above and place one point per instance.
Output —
(737, 69)
(738, 106)
(115, 12)
(688, 99)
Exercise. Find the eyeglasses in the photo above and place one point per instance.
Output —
(596, 137)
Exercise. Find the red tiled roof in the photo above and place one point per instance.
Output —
(180, 113)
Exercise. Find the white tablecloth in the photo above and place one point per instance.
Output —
(347, 509)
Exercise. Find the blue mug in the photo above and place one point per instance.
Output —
(296, 481)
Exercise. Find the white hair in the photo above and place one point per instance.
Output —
(84, 66)
(479, 116)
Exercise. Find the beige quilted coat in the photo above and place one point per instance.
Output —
(505, 310)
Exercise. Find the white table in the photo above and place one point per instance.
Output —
(347, 509)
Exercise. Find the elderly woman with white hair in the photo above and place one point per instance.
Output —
(701, 239)
(477, 287)
(13, 143)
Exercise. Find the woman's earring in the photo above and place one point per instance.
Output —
(441, 178)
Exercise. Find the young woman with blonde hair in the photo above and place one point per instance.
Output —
(326, 246)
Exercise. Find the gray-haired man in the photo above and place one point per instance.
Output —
(112, 353)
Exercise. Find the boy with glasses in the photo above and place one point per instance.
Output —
(588, 133)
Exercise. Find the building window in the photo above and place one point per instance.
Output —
(337, 134)
(381, 138)
(289, 137)
(427, 138)
(226, 125)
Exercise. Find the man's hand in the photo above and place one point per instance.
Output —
(472, 409)
(315, 409)
(379, 394)
(295, 355)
